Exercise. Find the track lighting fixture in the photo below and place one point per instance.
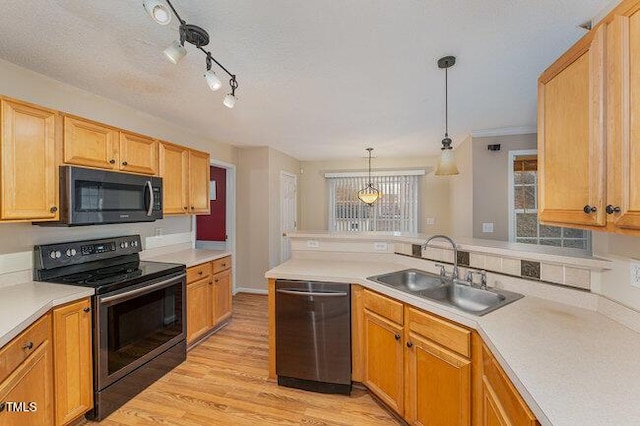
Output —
(158, 11)
(196, 36)
(447, 164)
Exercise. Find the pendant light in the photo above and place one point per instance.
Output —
(447, 163)
(369, 194)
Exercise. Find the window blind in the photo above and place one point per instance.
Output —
(395, 211)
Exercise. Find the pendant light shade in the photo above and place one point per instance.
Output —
(369, 194)
(447, 162)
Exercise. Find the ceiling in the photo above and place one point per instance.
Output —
(318, 79)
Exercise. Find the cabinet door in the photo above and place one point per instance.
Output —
(439, 388)
(29, 176)
(221, 296)
(138, 154)
(199, 182)
(89, 144)
(383, 358)
(623, 119)
(199, 316)
(73, 361)
(571, 136)
(31, 384)
(492, 412)
(174, 170)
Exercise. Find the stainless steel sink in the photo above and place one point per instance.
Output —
(457, 294)
(410, 280)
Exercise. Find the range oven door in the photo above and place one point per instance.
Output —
(91, 196)
(136, 324)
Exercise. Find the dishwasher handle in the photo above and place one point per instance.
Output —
(313, 293)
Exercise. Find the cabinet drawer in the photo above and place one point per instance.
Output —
(384, 306)
(220, 265)
(198, 272)
(16, 351)
(443, 332)
(514, 406)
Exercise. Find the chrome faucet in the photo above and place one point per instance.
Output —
(454, 274)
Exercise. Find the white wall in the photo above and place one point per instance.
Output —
(258, 205)
(616, 283)
(462, 191)
(23, 84)
(434, 192)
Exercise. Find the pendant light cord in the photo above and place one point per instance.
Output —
(446, 102)
(370, 183)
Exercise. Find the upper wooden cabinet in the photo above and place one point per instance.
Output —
(29, 176)
(571, 136)
(589, 130)
(91, 144)
(185, 176)
(138, 154)
(199, 167)
(174, 170)
(623, 117)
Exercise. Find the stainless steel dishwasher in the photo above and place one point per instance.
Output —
(313, 336)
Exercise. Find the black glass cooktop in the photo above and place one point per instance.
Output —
(105, 277)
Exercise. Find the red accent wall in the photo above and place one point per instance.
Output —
(213, 227)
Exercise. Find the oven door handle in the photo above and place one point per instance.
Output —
(151, 198)
(141, 290)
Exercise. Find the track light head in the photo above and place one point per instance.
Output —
(175, 52)
(158, 11)
(229, 100)
(213, 80)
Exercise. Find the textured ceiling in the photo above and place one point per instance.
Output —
(318, 79)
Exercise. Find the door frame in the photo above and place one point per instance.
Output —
(295, 207)
(230, 214)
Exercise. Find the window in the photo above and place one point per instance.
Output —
(524, 226)
(395, 211)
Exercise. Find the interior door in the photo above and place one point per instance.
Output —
(288, 211)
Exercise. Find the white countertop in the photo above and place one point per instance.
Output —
(21, 305)
(572, 366)
(190, 257)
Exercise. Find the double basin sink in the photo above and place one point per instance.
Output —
(453, 293)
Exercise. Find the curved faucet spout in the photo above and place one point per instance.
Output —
(454, 274)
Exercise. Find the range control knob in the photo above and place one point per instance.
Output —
(124, 245)
(134, 243)
(52, 254)
(58, 254)
(73, 252)
(68, 252)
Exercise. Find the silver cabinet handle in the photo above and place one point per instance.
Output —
(312, 293)
(151, 200)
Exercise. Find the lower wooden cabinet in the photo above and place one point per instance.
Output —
(428, 369)
(502, 404)
(383, 360)
(438, 384)
(209, 290)
(73, 361)
(26, 377)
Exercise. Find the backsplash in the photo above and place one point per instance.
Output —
(531, 270)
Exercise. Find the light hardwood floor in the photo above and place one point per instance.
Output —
(224, 382)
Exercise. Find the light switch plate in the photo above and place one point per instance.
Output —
(487, 227)
(313, 244)
(430, 221)
(635, 273)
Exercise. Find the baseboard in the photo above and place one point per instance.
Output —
(251, 291)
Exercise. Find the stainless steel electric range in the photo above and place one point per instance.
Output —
(139, 315)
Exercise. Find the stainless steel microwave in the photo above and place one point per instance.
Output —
(91, 197)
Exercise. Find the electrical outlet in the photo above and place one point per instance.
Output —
(430, 221)
(487, 227)
(158, 232)
(635, 273)
(380, 246)
(313, 244)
